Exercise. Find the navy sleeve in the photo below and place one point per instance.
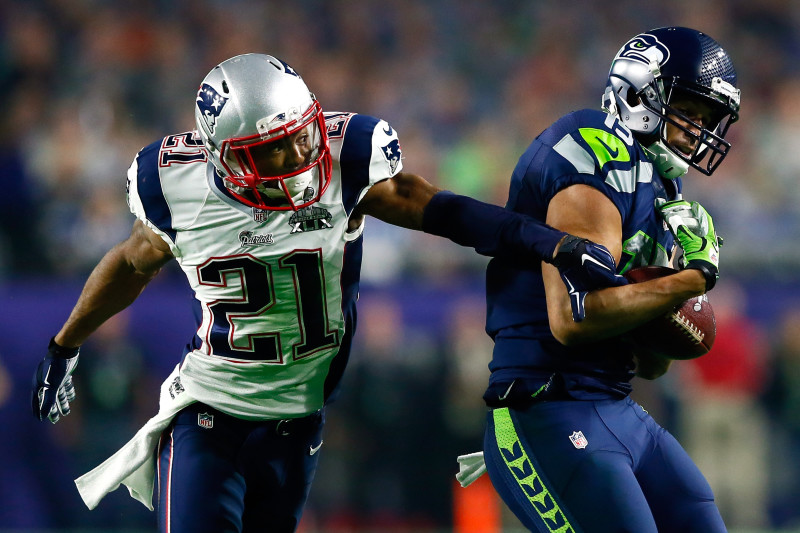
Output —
(355, 158)
(490, 229)
(151, 194)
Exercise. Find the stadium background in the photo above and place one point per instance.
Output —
(467, 84)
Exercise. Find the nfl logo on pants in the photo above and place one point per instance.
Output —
(578, 440)
(205, 420)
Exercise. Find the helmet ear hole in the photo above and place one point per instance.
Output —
(632, 98)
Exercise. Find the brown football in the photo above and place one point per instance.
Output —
(685, 333)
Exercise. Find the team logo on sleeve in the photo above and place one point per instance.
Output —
(392, 152)
(210, 103)
(645, 48)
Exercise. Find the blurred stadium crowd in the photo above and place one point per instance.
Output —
(467, 84)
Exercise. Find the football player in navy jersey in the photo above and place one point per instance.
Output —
(263, 208)
(565, 446)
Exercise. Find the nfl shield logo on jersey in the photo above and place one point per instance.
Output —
(260, 215)
(578, 440)
(205, 420)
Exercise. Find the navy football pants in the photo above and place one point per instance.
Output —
(632, 475)
(221, 474)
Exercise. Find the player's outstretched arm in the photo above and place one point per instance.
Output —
(113, 285)
(410, 201)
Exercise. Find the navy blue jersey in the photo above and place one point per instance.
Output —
(592, 148)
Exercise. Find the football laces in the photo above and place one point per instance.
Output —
(687, 326)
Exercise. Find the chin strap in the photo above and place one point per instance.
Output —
(668, 165)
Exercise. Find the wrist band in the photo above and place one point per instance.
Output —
(56, 350)
(708, 272)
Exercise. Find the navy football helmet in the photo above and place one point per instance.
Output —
(654, 68)
(247, 102)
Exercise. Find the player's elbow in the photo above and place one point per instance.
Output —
(559, 316)
(566, 332)
(411, 186)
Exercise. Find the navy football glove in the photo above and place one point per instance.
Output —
(52, 383)
(585, 266)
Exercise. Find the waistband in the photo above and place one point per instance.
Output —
(193, 414)
(522, 392)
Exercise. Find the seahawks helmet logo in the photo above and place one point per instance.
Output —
(210, 103)
(645, 48)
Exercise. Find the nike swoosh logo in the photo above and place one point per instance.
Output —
(388, 130)
(504, 396)
(42, 392)
(587, 257)
(613, 153)
(570, 286)
(314, 449)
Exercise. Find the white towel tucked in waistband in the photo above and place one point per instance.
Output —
(134, 464)
(470, 467)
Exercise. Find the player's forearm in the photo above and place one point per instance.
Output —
(490, 229)
(613, 311)
(112, 286)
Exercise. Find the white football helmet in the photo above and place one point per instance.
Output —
(653, 67)
(251, 100)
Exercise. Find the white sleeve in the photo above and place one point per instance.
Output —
(387, 157)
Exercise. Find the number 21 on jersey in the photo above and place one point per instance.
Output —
(244, 292)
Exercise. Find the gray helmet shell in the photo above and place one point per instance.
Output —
(253, 98)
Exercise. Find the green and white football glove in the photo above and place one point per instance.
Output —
(692, 226)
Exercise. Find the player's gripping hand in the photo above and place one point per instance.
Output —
(692, 226)
(52, 383)
(585, 266)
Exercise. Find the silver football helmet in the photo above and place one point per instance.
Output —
(247, 102)
(654, 67)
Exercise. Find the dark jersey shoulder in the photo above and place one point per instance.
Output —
(585, 147)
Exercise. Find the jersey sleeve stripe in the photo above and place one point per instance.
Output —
(569, 149)
(151, 193)
(355, 159)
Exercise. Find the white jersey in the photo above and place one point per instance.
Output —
(275, 290)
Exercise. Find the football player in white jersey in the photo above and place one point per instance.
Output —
(263, 208)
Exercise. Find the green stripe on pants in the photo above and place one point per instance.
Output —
(522, 468)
